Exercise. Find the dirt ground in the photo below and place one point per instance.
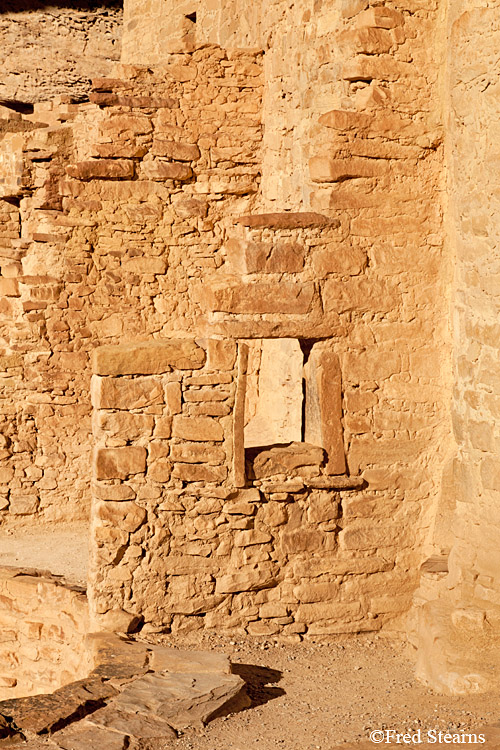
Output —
(62, 550)
(311, 696)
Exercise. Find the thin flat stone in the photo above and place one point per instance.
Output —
(39, 713)
(435, 564)
(182, 700)
(175, 660)
(88, 737)
(140, 726)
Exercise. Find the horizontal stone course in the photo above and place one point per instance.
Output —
(147, 357)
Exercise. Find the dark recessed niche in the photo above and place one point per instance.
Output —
(191, 17)
(25, 108)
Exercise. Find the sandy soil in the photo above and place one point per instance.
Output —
(311, 696)
(62, 550)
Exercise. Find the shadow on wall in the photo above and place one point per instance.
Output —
(21, 6)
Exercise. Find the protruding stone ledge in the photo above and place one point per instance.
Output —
(341, 482)
(287, 220)
(101, 169)
(148, 357)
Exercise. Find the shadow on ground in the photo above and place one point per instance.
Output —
(260, 683)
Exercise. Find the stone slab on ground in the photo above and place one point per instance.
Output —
(175, 660)
(85, 736)
(140, 726)
(183, 700)
(134, 695)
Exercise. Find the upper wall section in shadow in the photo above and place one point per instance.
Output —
(53, 49)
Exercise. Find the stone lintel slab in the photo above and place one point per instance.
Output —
(280, 298)
(287, 220)
(148, 357)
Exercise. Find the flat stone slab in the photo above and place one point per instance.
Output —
(86, 736)
(182, 700)
(147, 357)
(135, 695)
(174, 660)
(140, 726)
(41, 713)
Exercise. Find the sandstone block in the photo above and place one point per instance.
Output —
(119, 125)
(124, 425)
(304, 540)
(23, 504)
(175, 150)
(322, 507)
(125, 394)
(380, 17)
(259, 257)
(221, 355)
(284, 460)
(228, 296)
(199, 473)
(197, 453)
(119, 621)
(187, 208)
(278, 392)
(371, 41)
(273, 514)
(323, 407)
(180, 701)
(173, 397)
(273, 609)
(251, 537)
(205, 394)
(185, 662)
(287, 220)
(9, 287)
(160, 470)
(262, 628)
(119, 463)
(198, 429)
(125, 515)
(316, 592)
(102, 169)
(339, 259)
(156, 266)
(148, 357)
(326, 169)
(246, 580)
(166, 170)
(116, 492)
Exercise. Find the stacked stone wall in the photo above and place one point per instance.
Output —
(44, 624)
(55, 51)
(110, 212)
(182, 537)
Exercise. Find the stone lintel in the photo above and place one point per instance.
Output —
(148, 357)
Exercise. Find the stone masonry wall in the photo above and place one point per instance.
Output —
(110, 212)
(459, 600)
(43, 626)
(474, 183)
(146, 214)
(182, 537)
(55, 51)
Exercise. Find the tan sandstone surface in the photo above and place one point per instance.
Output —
(249, 297)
